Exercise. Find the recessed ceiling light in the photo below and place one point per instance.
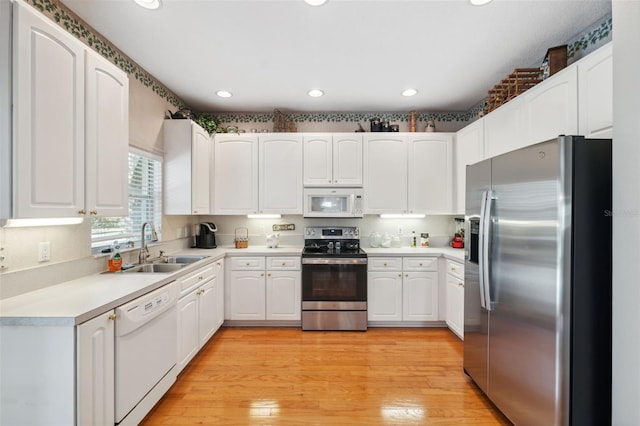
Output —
(409, 92)
(315, 2)
(479, 2)
(224, 94)
(149, 4)
(315, 93)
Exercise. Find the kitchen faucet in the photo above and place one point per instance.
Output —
(144, 250)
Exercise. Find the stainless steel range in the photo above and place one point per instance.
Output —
(334, 279)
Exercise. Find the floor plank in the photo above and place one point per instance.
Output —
(284, 376)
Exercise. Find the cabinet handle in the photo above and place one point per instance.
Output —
(83, 211)
(200, 278)
(112, 317)
(461, 284)
(93, 212)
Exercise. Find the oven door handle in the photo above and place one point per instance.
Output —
(341, 261)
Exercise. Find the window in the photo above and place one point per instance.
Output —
(145, 203)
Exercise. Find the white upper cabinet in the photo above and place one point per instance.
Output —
(595, 93)
(49, 112)
(385, 173)
(188, 151)
(107, 143)
(408, 173)
(71, 130)
(332, 159)
(551, 108)
(280, 168)
(468, 149)
(236, 174)
(430, 173)
(504, 127)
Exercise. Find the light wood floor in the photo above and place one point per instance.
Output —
(284, 376)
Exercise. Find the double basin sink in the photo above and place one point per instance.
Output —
(173, 263)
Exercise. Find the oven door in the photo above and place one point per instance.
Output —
(333, 280)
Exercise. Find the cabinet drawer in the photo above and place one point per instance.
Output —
(420, 263)
(193, 280)
(384, 263)
(290, 263)
(455, 268)
(242, 263)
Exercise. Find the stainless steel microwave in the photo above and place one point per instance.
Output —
(333, 202)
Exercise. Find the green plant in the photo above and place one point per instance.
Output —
(207, 121)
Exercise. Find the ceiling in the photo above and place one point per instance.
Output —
(361, 53)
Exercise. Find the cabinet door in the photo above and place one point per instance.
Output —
(283, 295)
(468, 149)
(384, 294)
(552, 107)
(236, 174)
(280, 180)
(188, 341)
(455, 305)
(200, 173)
(347, 159)
(207, 315)
(429, 173)
(420, 296)
(247, 295)
(219, 284)
(503, 128)
(96, 370)
(385, 174)
(48, 118)
(595, 93)
(107, 142)
(318, 160)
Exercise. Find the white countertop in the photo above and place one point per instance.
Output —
(74, 302)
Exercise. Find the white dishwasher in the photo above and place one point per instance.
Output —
(145, 352)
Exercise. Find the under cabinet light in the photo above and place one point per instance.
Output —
(22, 223)
(264, 216)
(401, 216)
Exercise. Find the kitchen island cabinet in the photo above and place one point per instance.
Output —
(70, 138)
(332, 159)
(188, 160)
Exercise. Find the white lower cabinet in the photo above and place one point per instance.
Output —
(403, 289)
(262, 288)
(199, 310)
(96, 371)
(455, 297)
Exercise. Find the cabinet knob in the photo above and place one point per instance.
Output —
(400, 275)
(385, 263)
(461, 284)
(93, 212)
(262, 274)
(420, 264)
(200, 278)
(406, 275)
(329, 180)
(112, 317)
(453, 268)
(83, 211)
(248, 264)
(195, 212)
(269, 274)
(284, 264)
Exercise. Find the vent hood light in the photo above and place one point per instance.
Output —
(21, 223)
(402, 216)
(479, 2)
(149, 4)
(315, 2)
(410, 92)
(315, 93)
(224, 94)
(264, 216)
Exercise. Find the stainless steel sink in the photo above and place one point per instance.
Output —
(156, 267)
(185, 259)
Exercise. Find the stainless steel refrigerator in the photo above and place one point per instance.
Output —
(537, 322)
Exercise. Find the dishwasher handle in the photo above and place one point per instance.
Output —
(138, 312)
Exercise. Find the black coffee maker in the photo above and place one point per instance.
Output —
(206, 237)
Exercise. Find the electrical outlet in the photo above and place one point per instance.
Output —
(261, 230)
(399, 229)
(44, 251)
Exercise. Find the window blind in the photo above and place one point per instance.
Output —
(145, 203)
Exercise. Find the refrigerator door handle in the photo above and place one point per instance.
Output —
(485, 237)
